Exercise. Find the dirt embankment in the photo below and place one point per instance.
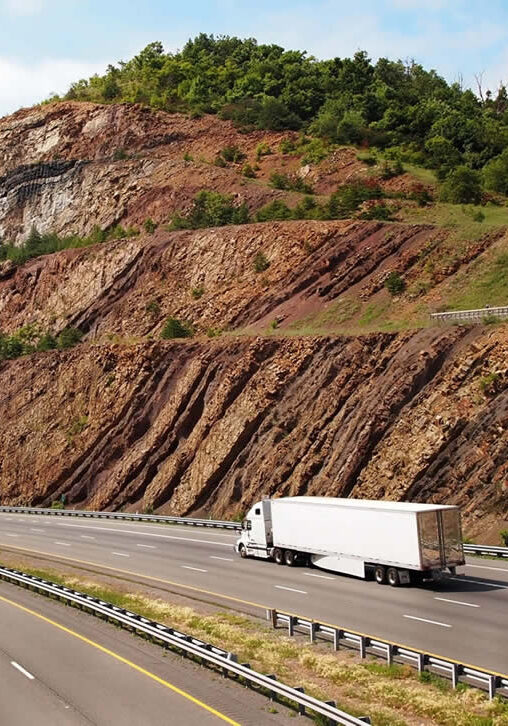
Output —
(190, 427)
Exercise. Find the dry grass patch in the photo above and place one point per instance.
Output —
(391, 696)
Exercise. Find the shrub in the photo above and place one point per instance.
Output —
(260, 262)
(389, 171)
(197, 292)
(219, 161)
(69, 338)
(274, 211)
(394, 283)
(120, 155)
(488, 383)
(149, 226)
(368, 160)
(248, 172)
(378, 211)
(263, 149)
(287, 146)
(153, 307)
(188, 157)
(291, 182)
(232, 154)
(174, 328)
(504, 537)
(462, 186)
(211, 209)
(47, 342)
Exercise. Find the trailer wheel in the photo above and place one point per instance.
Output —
(289, 558)
(278, 556)
(242, 551)
(393, 577)
(380, 575)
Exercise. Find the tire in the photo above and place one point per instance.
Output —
(278, 556)
(380, 575)
(289, 558)
(243, 552)
(392, 576)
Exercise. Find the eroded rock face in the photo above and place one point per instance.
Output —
(191, 427)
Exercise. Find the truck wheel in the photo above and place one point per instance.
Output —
(278, 556)
(380, 575)
(243, 551)
(289, 558)
(393, 577)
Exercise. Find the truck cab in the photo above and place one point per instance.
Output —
(256, 538)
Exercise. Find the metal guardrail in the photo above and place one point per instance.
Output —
(129, 516)
(474, 549)
(473, 315)
(215, 657)
(496, 684)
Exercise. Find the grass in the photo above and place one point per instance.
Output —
(391, 695)
(455, 216)
(484, 282)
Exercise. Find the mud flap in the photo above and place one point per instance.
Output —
(404, 577)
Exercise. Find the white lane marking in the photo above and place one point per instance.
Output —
(64, 544)
(323, 577)
(196, 569)
(424, 620)
(145, 534)
(148, 547)
(224, 559)
(480, 582)
(120, 554)
(485, 567)
(86, 536)
(457, 602)
(7, 534)
(22, 670)
(291, 589)
(33, 529)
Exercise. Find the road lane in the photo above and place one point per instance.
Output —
(204, 560)
(84, 671)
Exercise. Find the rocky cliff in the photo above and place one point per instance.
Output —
(256, 403)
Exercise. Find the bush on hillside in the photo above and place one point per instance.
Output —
(462, 186)
(212, 209)
(174, 328)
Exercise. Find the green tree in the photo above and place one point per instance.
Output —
(174, 328)
(495, 174)
(462, 186)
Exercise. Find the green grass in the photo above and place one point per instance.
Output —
(459, 217)
(425, 176)
(485, 282)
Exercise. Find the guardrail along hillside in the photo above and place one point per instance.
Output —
(475, 316)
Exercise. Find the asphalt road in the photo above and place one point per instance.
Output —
(461, 618)
(61, 667)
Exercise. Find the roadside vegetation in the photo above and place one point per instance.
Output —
(391, 696)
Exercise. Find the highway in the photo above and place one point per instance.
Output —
(61, 667)
(461, 618)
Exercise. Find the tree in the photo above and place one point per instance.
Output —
(174, 328)
(462, 186)
(495, 174)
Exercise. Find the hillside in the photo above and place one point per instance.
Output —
(304, 372)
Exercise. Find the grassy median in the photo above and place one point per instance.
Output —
(393, 695)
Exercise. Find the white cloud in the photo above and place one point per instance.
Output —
(23, 84)
(23, 7)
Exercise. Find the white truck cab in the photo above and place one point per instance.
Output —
(256, 539)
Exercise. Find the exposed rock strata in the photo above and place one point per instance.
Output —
(190, 427)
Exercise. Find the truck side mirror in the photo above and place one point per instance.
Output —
(246, 524)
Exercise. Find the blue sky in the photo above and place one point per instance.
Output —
(45, 44)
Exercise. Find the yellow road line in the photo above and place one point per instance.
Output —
(252, 604)
(123, 660)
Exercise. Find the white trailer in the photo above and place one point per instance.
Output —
(396, 542)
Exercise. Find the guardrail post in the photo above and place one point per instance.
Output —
(455, 674)
(272, 616)
(493, 683)
(312, 631)
(365, 719)
(291, 625)
(273, 695)
(363, 646)
(301, 707)
(421, 660)
(389, 654)
(333, 704)
(337, 635)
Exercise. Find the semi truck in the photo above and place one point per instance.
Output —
(398, 543)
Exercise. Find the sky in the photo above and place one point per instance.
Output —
(45, 45)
